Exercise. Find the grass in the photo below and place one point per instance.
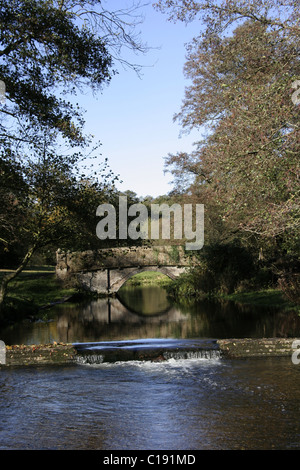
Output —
(38, 291)
(148, 278)
(31, 270)
(263, 298)
(33, 289)
(272, 298)
(37, 287)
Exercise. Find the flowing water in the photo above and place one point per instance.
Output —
(178, 404)
(186, 402)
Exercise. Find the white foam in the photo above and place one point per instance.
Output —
(168, 365)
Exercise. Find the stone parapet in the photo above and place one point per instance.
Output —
(68, 263)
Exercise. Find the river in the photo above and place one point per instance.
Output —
(179, 404)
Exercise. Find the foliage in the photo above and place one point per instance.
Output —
(222, 269)
(272, 298)
(31, 292)
(54, 207)
(48, 49)
(10, 211)
(249, 163)
(218, 16)
(242, 68)
(41, 49)
(289, 284)
(289, 280)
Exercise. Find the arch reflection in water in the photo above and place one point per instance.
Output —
(110, 319)
(117, 319)
(148, 300)
(145, 312)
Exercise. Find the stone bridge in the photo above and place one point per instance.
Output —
(105, 271)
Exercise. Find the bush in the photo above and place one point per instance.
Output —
(289, 284)
(223, 267)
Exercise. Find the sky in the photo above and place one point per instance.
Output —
(133, 116)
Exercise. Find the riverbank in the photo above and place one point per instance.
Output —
(64, 354)
(263, 298)
(32, 292)
(35, 290)
(39, 289)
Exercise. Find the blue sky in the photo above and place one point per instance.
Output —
(133, 117)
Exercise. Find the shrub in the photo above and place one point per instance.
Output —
(222, 269)
(289, 284)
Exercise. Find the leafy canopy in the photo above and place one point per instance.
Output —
(247, 163)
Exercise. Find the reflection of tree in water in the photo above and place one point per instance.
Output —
(110, 319)
(227, 319)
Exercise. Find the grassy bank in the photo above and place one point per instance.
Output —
(34, 289)
(37, 287)
(263, 298)
(186, 290)
(272, 298)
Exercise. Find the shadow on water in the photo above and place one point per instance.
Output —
(146, 312)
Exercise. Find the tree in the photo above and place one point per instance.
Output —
(55, 207)
(12, 189)
(248, 163)
(219, 16)
(49, 48)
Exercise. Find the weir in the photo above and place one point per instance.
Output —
(156, 350)
(151, 350)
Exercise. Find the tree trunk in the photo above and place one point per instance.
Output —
(9, 277)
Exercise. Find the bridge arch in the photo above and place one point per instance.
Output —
(110, 280)
(117, 278)
(105, 270)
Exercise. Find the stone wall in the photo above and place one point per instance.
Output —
(41, 354)
(69, 263)
(261, 347)
(108, 281)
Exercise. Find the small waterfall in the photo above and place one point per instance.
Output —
(146, 350)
